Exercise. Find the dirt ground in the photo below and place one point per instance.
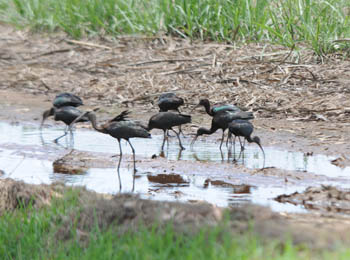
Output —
(300, 102)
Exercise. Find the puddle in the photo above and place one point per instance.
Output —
(92, 141)
(148, 185)
(36, 167)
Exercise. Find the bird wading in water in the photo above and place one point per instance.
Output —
(120, 128)
(166, 121)
(243, 128)
(221, 121)
(169, 101)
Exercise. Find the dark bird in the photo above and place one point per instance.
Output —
(221, 121)
(212, 111)
(120, 128)
(245, 129)
(166, 121)
(67, 115)
(62, 100)
(169, 101)
(67, 99)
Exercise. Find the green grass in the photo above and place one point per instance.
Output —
(314, 23)
(32, 234)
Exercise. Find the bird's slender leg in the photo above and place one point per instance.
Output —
(222, 138)
(164, 136)
(133, 154)
(120, 159)
(65, 133)
(180, 131)
(178, 137)
(229, 137)
(240, 142)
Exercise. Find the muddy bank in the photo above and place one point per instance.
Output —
(325, 199)
(126, 212)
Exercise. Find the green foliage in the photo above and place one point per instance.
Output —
(316, 23)
(28, 233)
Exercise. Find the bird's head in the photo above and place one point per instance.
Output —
(204, 102)
(46, 114)
(256, 140)
(200, 131)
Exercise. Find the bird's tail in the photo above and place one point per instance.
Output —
(187, 118)
(245, 115)
(121, 117)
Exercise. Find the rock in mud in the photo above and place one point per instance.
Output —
(73, 162)
(324, 198)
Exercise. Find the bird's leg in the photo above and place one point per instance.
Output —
(180, 131)
(228, 137)
(65, 133)
(240, 142)
(222, 138)
(120, 159)
(164, 136)
(178, 137)
(133, 154)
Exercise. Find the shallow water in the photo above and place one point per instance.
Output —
(202, 151)
(34, 167)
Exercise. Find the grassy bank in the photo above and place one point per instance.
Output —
(51, 233)
(312, 22)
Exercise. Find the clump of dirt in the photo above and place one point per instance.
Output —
(14, 194)
(324, 198)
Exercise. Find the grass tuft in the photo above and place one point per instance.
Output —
(314, 23)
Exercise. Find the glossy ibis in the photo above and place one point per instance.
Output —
(166, 121)
(62, 100)
(245, 129)
(119, 128)
(67, 115)
(221, 121)
(169, 101)
(212, 111)
(67, 99)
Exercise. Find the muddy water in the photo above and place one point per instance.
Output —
(202, 151)
(35, 166)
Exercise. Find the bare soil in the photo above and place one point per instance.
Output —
(300, 104)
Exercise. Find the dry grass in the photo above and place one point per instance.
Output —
(271, 80)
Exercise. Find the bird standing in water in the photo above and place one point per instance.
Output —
(245, 129)
(119, 128)
(166, 121)
(64, 109)
(221, 121)
(169, 101)
(67, 115)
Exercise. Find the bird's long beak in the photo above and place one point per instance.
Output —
(263, 154)
(198, 105)
(45, 115)
(77, 119)
(193, 141)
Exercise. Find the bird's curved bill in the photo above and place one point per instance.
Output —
(263, 154)
(193, 141)
(198, 105)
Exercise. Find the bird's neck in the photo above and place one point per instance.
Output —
(95, 126)
(249, 139)
(207, 109)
